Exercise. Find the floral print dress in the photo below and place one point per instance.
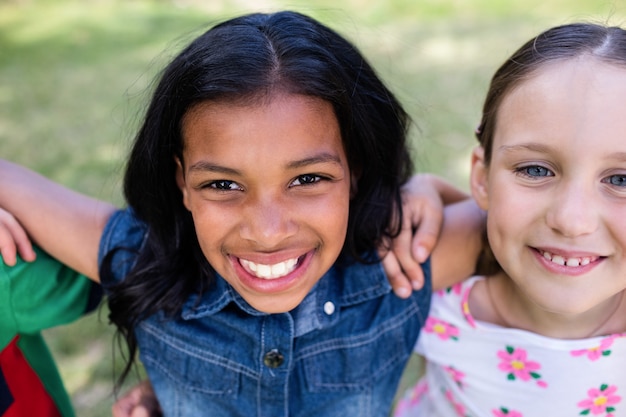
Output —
(478, 369)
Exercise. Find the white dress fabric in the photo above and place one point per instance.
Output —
(478, 369)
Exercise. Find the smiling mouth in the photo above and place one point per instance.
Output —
(571, 262)
(273, 271)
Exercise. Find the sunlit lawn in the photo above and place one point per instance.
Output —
(74, 76)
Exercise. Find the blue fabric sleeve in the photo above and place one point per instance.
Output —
(121, 241)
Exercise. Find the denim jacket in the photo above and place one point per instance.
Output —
(340, 353)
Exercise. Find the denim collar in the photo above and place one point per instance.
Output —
(340, 286)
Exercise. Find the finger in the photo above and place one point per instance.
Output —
(427, 233)
(399, 282)
(8, 247)
(118, 411)
(26, 251)
(401, 246)
(122, 408)
(140, 411)
(13, 240)
(124, 405)
(8, 250)
(148, 405)
(23, 243)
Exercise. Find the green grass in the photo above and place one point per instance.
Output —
(75, 75)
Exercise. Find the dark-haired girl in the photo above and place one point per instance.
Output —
(266, 173)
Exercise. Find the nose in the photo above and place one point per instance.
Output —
(268, 221)
(573, 211)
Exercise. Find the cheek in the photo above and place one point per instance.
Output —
(330, 216)
(211, 225)
(513, 216)
(340, 225)
(341, 209)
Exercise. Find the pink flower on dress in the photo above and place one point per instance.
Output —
(516, 364)
(458, 407)
(455, 289)
(596, 352)
(441, 328)
(456, 375)
(600, 401)
(505, 412)
(411, 398)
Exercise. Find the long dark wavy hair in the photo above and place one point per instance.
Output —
(247, 58)
(559, 43)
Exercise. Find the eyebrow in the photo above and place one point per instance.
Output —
(205, 166)
(539, 147)
(532, 146)
(618, 156)
(322, 158)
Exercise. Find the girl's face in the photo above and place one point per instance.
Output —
(556, 187)
(268, 187)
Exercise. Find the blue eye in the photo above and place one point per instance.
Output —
(534, 171)
(619, 180)
(537, 171)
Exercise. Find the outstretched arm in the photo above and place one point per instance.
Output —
(66, 224)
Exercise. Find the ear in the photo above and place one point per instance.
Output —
(479, 178)
(180, 181)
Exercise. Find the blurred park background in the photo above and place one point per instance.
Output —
(75, 76)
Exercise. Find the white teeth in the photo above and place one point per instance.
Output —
(269, 271)
(279, 269)
(263, 270)
(560, 260)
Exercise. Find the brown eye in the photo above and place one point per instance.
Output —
(224, 185)
(306, 179)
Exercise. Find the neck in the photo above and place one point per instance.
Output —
(515, 310)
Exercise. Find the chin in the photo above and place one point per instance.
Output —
(274, 306)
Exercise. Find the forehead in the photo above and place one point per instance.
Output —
(276, 127)
(575, 102)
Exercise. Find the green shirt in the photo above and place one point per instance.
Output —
(36, 296)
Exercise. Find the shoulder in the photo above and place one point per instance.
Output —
(482, 301)
(122, 239)
(367, 280)
(123, 229)
(453, 303)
